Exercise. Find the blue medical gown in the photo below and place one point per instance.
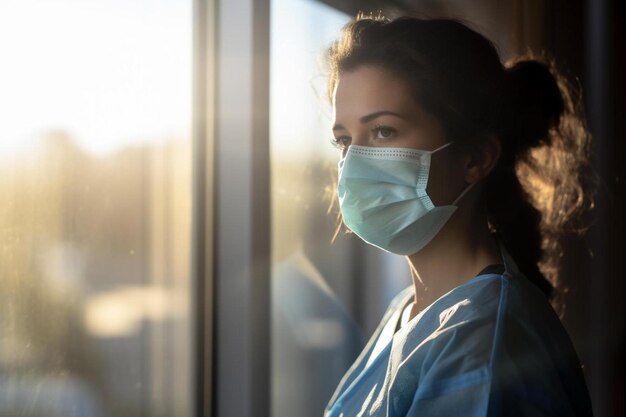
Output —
(490, 347)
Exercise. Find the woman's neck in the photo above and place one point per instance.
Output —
(460, 250)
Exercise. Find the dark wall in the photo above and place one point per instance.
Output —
(604, 51)
(588, 37)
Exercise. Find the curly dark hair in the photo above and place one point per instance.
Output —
(537, 191)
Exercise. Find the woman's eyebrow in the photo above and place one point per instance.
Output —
(371, 117)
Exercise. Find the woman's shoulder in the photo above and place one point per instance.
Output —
(479, 317)
(492, 333)
(494, 298)
(482, 298)
(489, 305)
(463, 332)
(478, 297)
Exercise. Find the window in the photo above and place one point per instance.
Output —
(95, 174)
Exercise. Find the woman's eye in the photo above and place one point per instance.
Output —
(383, 132)
(341, 142)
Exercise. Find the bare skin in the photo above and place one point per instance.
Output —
(464, 245)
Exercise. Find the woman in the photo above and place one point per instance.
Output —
(470, 169)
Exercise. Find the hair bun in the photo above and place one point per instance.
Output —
(532, 102)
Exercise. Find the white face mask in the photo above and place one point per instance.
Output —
(382, 196)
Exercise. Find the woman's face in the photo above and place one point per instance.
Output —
(372, 107)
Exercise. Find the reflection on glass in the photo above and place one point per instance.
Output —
(95, 215)
(314, 337)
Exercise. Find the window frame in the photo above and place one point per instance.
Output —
(203, 126)
(231, 227)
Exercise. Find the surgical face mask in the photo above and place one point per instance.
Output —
(383, 200)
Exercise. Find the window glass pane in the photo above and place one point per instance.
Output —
(314, 337)
(95, 178)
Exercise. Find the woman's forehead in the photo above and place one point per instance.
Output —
(368, 89)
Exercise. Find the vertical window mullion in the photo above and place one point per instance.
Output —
(203, 197)
(242, 198)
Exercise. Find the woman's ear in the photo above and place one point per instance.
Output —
(482, 158)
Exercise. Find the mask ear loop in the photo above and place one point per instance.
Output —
(445, 145)
(469, 187)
